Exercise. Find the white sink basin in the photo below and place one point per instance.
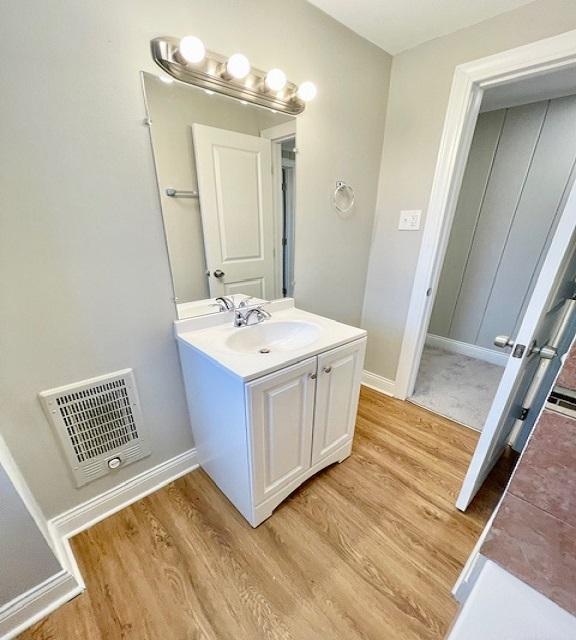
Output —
(289, 336)
(271, 337)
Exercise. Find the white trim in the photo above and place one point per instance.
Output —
(466, 349)
(87, 514)
(37, 603)
(23, 490)
(474, 563)
(468, 85)
(374, 381)
(283, 131)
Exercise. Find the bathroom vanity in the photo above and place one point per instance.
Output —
(271, 403)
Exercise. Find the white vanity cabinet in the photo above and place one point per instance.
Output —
(302, 418)
(281, 419)
(337, 390)
(260, 439)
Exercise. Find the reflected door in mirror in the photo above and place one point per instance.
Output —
(235, 183)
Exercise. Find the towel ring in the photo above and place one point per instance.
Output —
(343, 198)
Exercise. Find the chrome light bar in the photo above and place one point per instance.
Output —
(210, 74)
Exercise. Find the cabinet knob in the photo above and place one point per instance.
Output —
(313, 376)
(327, 369)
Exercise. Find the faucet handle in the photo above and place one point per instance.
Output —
(226, 303)
(244, 302)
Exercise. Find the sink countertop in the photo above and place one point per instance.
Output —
(208, 336)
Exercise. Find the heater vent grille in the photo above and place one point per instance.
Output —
(97, 420)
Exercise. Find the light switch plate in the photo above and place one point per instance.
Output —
(410, 220)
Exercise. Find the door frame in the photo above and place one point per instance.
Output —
(469, 83)
(277, 135)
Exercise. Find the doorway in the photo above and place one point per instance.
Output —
(519, 169)
(288, 222)
(283, 138)
(541, 71)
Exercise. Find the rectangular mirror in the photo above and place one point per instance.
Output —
(225, 173)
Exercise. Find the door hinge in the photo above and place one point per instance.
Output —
(518, 350)
(284, 242)
(524, 413)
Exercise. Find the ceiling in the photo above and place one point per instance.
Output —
(396, 25)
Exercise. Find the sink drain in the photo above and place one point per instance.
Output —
(264, 350)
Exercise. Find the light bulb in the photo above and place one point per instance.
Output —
(276, 80)
(192, 49)
(167, 79)
(307, 91)
(238, 66)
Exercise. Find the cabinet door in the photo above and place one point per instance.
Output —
(338, 387)
(280, 421)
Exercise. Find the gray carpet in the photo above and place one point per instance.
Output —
(456, 386)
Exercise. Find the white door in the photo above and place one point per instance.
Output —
(337, 389)
(281, 411)
(554, 285)
(235, 184)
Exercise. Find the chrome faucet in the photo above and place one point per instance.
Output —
(225, 303)
(245, 302)
(242, 316)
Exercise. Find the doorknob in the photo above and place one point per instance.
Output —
(219, 273)
(503, 342)
(546, 352)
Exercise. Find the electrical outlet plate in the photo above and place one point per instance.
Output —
(410, 220)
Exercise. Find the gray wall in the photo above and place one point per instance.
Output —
(26, 560)
(84, 276)
(419, 91)
(518, 170)
(173, 109)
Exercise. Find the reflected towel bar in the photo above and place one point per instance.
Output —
(174, 193)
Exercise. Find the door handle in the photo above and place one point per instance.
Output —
(327, 369)
(546, 352)
(503, 342)
(218, 273)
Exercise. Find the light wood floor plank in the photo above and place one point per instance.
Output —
(368, 549)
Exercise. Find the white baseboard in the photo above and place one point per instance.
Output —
(32, 606)
(374, 381)
(470, 350)
(87, 514)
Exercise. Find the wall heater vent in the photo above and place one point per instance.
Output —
(99, 424)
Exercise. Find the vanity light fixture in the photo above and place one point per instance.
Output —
(192, 49)
(307, 91)
(238, 66)
(188, 60)
(276, 80)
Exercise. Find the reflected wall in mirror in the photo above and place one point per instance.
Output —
(230, 170)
